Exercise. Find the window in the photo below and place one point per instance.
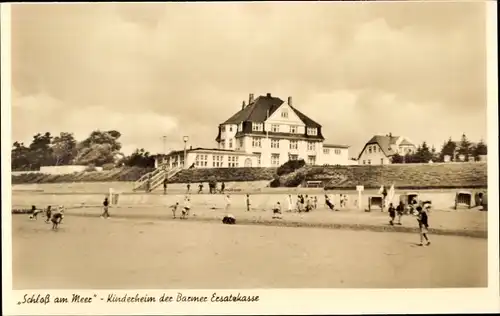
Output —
(370, 149)
(337, 151)
(294, 157)
(258, 158)
(223, 129)
(275, 128)
(364, 162)
(284, 114)
(232, 161)
(230, 143)
(311, 160)
(217, 160)
(275, 159)
(240, 141)
(201, 160)
(294, 144)
(240, 127)
(326, 151)
(256, 142)
(257, 127)
(312, 131)
(275, 143)
(369, 162)
(293, 129)
(230, 128)
(223, 144)
(381, 161)
(311, 146)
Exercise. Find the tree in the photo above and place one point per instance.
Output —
(40, 153)
(64, 149)
(99, 148)
(140, 158)
(434, 154)
(423, 154)
(20, 157)
(397, 158)
(448, 149)
(464, 147)
(480, 149)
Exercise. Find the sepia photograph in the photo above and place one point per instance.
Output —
(252, 145)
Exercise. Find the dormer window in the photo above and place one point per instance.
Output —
(257, 127)
(312, 131)
(284, 114)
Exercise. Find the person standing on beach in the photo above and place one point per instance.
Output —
(423, 225)
(315, 202)
(328, 202)
(392, 214)
(290, 203)
(165, 181)
(399, 211)
(248, 202)
(188, 187)
(228, 202)
(48, 214)
(222, 187)
(200, 188)
(148, 184)
(105, 206)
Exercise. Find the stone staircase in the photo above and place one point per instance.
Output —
(156, 178)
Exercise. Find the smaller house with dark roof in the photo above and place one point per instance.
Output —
(380, 149)
(277, 132)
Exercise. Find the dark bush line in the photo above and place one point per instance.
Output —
(437, 187)
(22, 211)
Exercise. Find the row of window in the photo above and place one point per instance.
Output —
(369, 161)
(217, 161)
(275, 143)
(275, 128)
(326, 151)
(275, 159)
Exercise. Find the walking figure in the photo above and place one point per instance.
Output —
(200, 187)
(423, 224)
(248, 202)
(105, 205)
(188, 187)
(277, 210)
(222, 187)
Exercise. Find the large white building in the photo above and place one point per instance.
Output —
(275, 131)
(380, 149)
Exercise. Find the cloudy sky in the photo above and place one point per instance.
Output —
(148, 70)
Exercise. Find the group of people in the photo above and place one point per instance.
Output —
(54, 216)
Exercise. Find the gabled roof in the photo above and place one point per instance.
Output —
(384, 142)
(257, 111)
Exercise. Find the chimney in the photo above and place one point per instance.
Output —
(268, 95)
(250, 98)
(290, 101)
(243, 105)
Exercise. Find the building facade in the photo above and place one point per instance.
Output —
(380, 149)
(274, 131)
(207, 158)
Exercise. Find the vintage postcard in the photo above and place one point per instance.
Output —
(250, 158)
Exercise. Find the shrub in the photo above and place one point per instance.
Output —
(290, 166)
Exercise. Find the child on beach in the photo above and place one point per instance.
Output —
(35, 212)
(200, 188)
(186, 208)
(174, 208)
(423, 224)
(392, 213)
(308, 204)
(290, 203)
(248, 202)
(228, 202)
(328, 202)
(399, 211)
(105, 205)
(315, 202)
(48, 214)
(277, 210)
(57, 218)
